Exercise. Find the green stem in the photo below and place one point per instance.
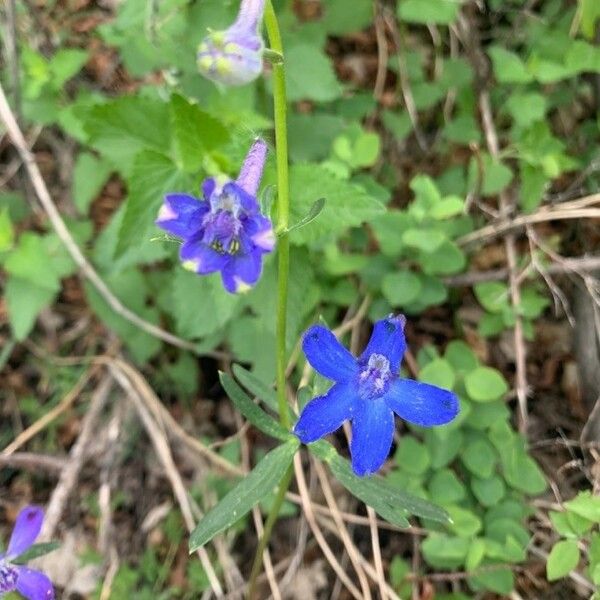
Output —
(283, 206)
(269, 523)
(283, 254)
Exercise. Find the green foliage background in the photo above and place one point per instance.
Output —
(392, 234)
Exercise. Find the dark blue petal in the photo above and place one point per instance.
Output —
(34, 585)
(327, 356)
(325, 414)
(247, 201)
(421, 403)
(27, 527)
(372, 436)
(388, 340)
(181, 215)
(241, 272)
(200, 258)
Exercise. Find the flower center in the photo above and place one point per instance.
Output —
(8, 578)
(374, 378)
(223, 225)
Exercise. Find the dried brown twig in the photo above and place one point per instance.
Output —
(159, 441)
(565, 211)
(70, 473)
(480, 65)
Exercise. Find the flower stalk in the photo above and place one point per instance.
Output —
(283, 254)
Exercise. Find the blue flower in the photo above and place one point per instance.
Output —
(225, 230)
(367, 392)
(31, 584)
(234, 56)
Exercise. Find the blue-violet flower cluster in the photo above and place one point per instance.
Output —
(225, 230)
(31, 584)
(234, 56)
(367, 392)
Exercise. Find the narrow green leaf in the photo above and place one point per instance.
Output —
(312, 214)
(36, 551)
(248, 492)
(260, 389)
(258, 417)
(391, 503)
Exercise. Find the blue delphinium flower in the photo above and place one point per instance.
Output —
(225, 230)
(31, 584)
(367, 392)
(234, 56)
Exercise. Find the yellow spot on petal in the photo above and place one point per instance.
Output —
(190, 265)
(241, 287)
(205, 63)
(223, 66)
(231, 48)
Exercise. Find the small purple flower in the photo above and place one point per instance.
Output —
(368, 391)
(234, 56)
(225, 230)
(31, 584)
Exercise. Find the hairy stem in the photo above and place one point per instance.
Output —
(283, 253)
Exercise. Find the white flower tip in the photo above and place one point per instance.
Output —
(166, 213)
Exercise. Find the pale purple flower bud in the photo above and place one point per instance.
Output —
(234, 56)
(252, 169)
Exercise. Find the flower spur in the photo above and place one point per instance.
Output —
(367, 392)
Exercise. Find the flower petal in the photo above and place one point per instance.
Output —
(241, 272)
(209, 185)
(27, 527)
(327, 356)
(200, 258)
(247, 201)
(372, 436)
(324, 414)
(421, 403)
(181, 215)
(388, 340)
(260, 231)
(34, 585)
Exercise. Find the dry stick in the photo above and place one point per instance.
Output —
(568, 265)
(48, 417)
(406, 90)
(67, 239)
(33, 462)
(368, 567)
(382, 52)
(69, 475)
(158, 438)
(312, 522)
(162, 415)
(342, 529)
(480, 65)
(542, 216)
